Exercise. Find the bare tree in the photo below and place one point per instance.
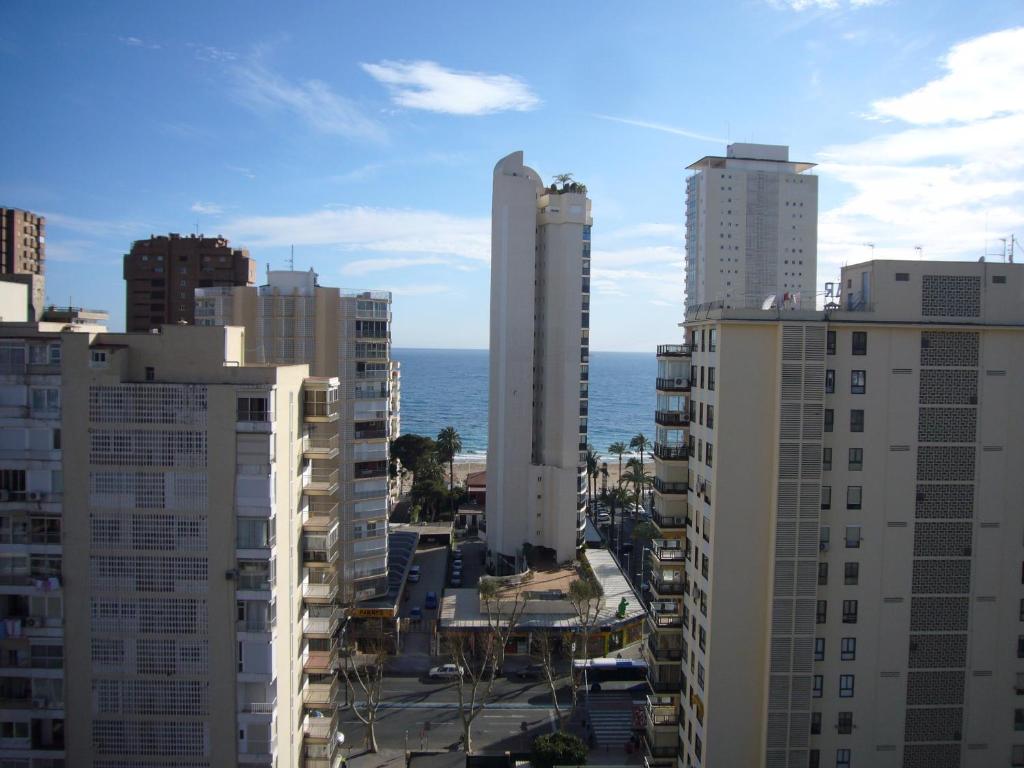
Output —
(364, 679)
(545, 650)
(502, 618)
(585, 597)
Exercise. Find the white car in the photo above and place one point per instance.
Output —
(603, 518)
(445, 672)
(414, 574)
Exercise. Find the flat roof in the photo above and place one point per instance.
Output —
(718, 161)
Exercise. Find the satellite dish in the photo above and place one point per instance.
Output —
(769, 302)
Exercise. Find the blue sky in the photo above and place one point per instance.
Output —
(365, 135)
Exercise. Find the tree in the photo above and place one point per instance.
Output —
(618, 449)
(640, 444)
(593, 469)
(365, 694)
(544, 649)
(411, 450)
(559, 748)
(449, 443)
(585, 597)
(618, 497)
(637, 477)
(563, 178)
(428, 488)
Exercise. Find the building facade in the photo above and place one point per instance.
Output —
(162, 273)
(340, 334)
(854, 552)
(540, 321)
(23, 254)
(32, 573)
(751, 229)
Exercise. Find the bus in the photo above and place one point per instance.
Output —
(605, 670)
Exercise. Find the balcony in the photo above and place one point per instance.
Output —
(320, 691)
(665, 620)
(320, 585)
(669, 586)
(370, 469)
(371, 430)
(322, 662)
(320, 549)
(258, 708)
(668, 549)
(669, 521)
(320, 482)
(662, 711)
(320, 447)
(253, 624)
(254, 581)
(663, 486)
(663, 654)
(681, 384)
(671, 452)
(320, 622)
(671, 418)
(673, 350)
(319, 515)
(320, 405)
(319, 755)
(317, 726)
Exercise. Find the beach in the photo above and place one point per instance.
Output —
(464, 465)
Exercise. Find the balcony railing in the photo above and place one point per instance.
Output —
(668, 549)
(254, 581)
(673, 350)
(669, 586)
(319, 514)
(668, 521)
(320, 662)
(320, 447)
(322, 481)
(320, 728)
(671, 452)
(320, 691)
(253, 624)
(671, 418)
(320, 622)
(663, 486)
(319, 410)
(371, 433)
(320, 585)
(369, 469)
(668, 620)
(661, 711)
(320, 548)
(681, 384)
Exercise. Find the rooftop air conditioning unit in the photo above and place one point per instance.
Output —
(34, 496)
(823, 546)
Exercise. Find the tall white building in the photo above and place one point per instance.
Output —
(853, 591)
(540, 320)
(751, 229)
(293, 319)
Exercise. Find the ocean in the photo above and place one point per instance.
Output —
(448, 387)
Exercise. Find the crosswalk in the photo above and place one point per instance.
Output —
(611, 720)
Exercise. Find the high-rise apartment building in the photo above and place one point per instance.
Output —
(539, 353)
(32, 575)
(751, 229)
(855, 544)
(346, 335)
(23, 254)
(163, 272)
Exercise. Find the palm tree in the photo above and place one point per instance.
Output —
(637, 477)
(593, 470)
(618, 449)
(449, 443)
(641, 444)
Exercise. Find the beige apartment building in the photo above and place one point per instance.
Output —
(343, 334)
(198, 558)
(539, 358)
(23, 256)
(32, 604)
(854, 541)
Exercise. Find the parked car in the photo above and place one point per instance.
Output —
(414, 574)
(531, 672)
(603, 518)
(416, 614)
(445, 672)
(431, 601)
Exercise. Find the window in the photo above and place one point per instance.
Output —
(846, 683)
(711, 416)
(821, 615)
(824, 537)
(902, 277)
(814, 758)
(98, 358)
(843, 757)
(819, 649)
(853, 497)
(822, 574)
(150, 373)
(999, 279)
(826, 497)
(253, 409)
(860, 342)
(1017, 756)
(815, 723)
(707, 454)
(819, 686)
(14, 730)
(856, 420)
(845, 723)
(830, 342)
(712, 340)
(830, 419)
(826, 459)
(711, 378)
(830, 381)
(1018, 719)
(851, 573)
(45, 399)
(848, 648)
(856, 459)
(1020, 646)
(849, 611)
(853, 537)
(858, 382)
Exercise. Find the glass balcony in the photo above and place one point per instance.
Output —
(663, 486)
(320, 481)
(662, 586)
(319, 514)
(671, 418)
(668, 549)
(668, 521)
(320, 690)
(317, 446)
(673, 350)
(320, 585)
(320, 548)
(322, 662)
(320, 621)
(671, 452)
(673, 385)
(320, 726)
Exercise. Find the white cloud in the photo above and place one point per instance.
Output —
(386, 230)
(828, 5)
(137, 42)
(211, 209)
(246, 172)
(430, 86)
(662, 127)
(212, 53)
(948, 176)
(312, 101)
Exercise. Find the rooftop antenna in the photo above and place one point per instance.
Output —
(1012, 241)
(291, 260)
(197, 227)
(872, 247)
(920, 252)
(1003, 240)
